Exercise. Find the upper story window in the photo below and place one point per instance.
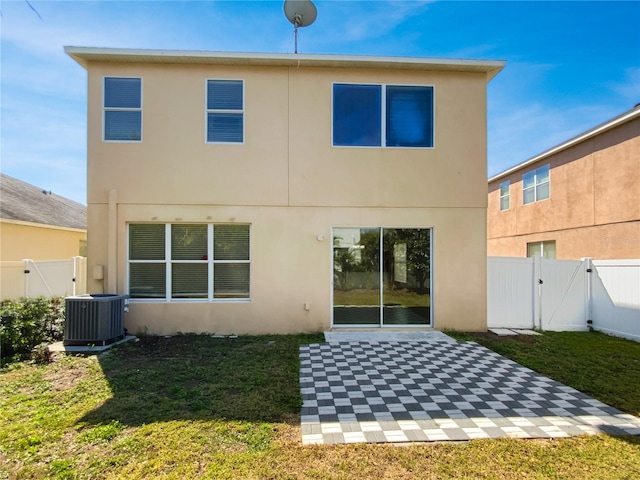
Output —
(504, 195)
(382, 115)
(189, 261)
(535, 185)
(225, 111)
(122, 109)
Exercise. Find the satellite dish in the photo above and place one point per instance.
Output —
(301, 13)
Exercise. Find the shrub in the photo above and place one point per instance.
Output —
(28, 322)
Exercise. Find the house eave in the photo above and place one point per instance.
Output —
(85, 55)
(603, 127)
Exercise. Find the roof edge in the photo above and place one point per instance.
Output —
(84, 55)
(603, 127)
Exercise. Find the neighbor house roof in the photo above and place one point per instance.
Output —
(603, 127)
(21, 201)
(84, 55)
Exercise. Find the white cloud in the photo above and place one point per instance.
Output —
(44, 143)
(357, 21)
(528, 130)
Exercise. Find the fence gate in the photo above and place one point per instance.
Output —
(512, 294)
(563, 295)
(536, 293)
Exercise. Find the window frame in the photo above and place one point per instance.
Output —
(105, 109)
(506, 196)
(383, 115)
(536, 184)
(541, 244)
(207, 111)
(168, 262)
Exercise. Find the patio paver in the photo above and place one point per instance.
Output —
(438, 390)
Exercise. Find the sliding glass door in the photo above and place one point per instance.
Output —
(381, 276)
(406, 276)
(356, 276)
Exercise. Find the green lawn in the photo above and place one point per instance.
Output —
(195, 407)
(605, 367)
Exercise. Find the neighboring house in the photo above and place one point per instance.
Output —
(37, 224)
(578, 199)
(254, 193)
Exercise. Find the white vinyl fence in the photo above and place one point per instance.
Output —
(565, 295)
(54, 278)
(616, 297)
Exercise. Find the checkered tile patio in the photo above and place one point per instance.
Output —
(438, 390)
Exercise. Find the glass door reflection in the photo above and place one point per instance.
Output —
(406, 284)
(356, 276)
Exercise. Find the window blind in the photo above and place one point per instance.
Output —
(122, 92)
(122, 125)
(231, 280)
(409, 116)
(146, 242)
(231, 242)
(189, 280)
(147, 280)
(224, 95)
(192, 272)
(225, 127)
(357, 115)
(188, 242)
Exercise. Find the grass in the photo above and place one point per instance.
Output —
(197, 407)
(605, 367)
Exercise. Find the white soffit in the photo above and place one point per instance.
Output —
(84, 55)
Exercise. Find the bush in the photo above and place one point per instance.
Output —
(28, 322)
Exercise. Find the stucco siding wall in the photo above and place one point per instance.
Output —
(291, 267)
(603, 242)
(444, 176)
(20, 241)
(173, 163)
(290, 184)
(617, 175)
(287, 157)
(593, 196)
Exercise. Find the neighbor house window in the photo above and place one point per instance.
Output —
(382, 115)
(535, 185)
(504, 195)
(546, 249)
(122, 109)
(225, 111)
(189, 261)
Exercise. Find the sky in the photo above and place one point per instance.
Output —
(570, 65)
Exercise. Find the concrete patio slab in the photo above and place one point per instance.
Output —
(502, 331)
(525, 332)
(386, 336)
(59, 347)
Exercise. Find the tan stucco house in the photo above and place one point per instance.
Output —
(254, 193)
(578, 199)
(37, 224)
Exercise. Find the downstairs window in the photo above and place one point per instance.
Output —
(189, 261)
